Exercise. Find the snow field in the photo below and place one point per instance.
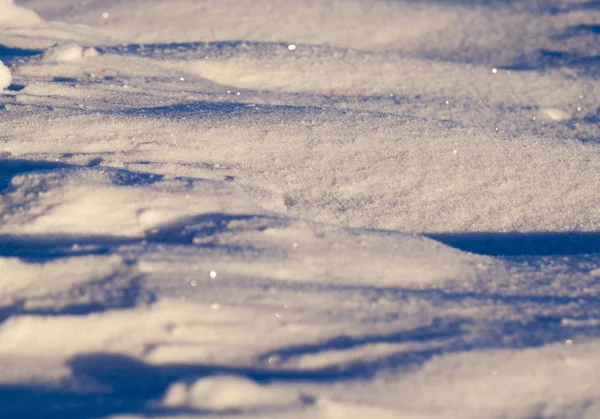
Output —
(325, 209)
(378, 179)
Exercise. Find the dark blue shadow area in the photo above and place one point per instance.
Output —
(578, 30)
(593, 119)
(131, 387)
(7, 54)
(517, 244)
(42, 248)
(544, 60)
(13, 167)
(592, 5)
(532, 6)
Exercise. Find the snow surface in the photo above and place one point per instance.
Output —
(308, 209)
(5, 76)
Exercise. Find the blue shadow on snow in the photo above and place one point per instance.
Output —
(519, 244)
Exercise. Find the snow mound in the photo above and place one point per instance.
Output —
(226, 230)
(105, 202)
(68, 52)
(227, 393)
(310, 69)
(286, 249)
(13, 15)
(5, 76)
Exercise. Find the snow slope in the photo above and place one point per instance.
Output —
(308, 209)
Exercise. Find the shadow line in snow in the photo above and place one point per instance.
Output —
(7, 54)
(578, 30)
(130, 386)
(118, 384)
(45, 247)
(518, 244)
(10, 168)
(106, 294)
(591, 5)
(552, 7)
(545, 59)
(439, 330)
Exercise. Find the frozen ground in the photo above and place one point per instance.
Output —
(300, 209)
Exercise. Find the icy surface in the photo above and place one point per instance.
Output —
(308, 209)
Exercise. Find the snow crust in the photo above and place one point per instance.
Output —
(308, 209)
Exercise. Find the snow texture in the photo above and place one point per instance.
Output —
(309, 209)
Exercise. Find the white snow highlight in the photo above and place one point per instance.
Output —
(227, 393)
(5, 76)
(13, 15)
(68, 52)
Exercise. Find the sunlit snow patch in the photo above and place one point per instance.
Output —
(286, 249)
(5, 76)
(227, 393)
(109, 202)
(555, 114)
(62, 53)
(13, 15)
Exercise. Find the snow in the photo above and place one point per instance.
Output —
(5, 76)
(14, 15)
(325, 209)
(68, 52)
(227, 393)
